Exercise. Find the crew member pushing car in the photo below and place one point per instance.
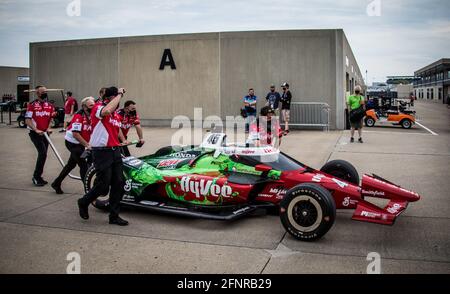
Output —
(77, 139)
(38, 117)
(106, 156)
(129, 118)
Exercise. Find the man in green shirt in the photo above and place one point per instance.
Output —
(354, 102)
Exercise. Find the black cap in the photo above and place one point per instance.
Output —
(111, 92)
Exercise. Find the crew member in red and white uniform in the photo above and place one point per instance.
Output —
(107, 158)
(129, 118)
(38, 116)
(77, 139)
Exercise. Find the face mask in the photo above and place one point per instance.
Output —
(132, 113)
(44, 96)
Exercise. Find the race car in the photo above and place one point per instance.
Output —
(226, 181)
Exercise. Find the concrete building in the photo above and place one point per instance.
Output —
(13, 81)
(209, 70)
(433, 81)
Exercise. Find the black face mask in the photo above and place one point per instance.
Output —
(43, 96)
(132, 113)
(357, 93)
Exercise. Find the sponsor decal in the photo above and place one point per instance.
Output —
(130, 185)
(204, 188)
(394, 208)
(373, 193)
(262, 195)
(346, 201)
(370, 214)
(340, 183)
(115, 122)
(168, 163)
(183, 155)
(317, 178)
(278, 191)
(127, 197)
(242, 210)
(133, 161)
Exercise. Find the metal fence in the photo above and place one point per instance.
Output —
(310, 114)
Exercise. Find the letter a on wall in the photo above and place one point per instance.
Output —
(167, 59)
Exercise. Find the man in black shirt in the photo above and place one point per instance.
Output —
(286, 98)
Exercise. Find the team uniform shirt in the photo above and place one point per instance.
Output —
(40, 114)
(265, 131)
(81, 123)
(127, 121)
(68, 105)
(105, 130)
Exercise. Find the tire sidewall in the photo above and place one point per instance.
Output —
(408, 126)
(370, 122)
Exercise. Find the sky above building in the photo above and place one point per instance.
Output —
(388, 37)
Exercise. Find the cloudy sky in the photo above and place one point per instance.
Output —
(407, 35)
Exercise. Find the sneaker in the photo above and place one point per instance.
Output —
(57, 188)
(62, 131)
(352, 140)
(118, 221)
(360, 140)
(83, 210)
(39, 182)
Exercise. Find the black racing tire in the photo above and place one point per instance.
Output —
(308, 211)
(165, 151)
(21, 123)
(369, 122)
(406, 123)
(342, 170)
(101, 202)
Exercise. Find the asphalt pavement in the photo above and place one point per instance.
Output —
(38, 228)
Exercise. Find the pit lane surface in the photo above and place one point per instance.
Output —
(39, 228)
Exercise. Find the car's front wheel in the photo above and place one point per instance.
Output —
(89, 181)
(307, 212)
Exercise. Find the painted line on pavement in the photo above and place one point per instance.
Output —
(427, 129)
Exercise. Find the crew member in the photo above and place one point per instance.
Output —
(129, 118)
(77, 139)
(38, 116)
(101, 93)
(266, 130)
(70, 107)
(107, 158)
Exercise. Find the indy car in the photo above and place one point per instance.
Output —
(226, 181)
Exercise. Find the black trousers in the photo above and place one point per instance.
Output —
(109, 173)
(41, 145)
(75, 153)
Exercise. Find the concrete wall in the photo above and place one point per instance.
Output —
(79, 66)
(214, 70)
(8, 79)
(304, 59)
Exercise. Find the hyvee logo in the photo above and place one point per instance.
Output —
(43, 113)
(204, 187)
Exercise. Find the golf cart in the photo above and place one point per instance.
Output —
(390, 110)
(56, 97)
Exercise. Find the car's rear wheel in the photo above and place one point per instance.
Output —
(343, 170)
(406, 123)
(307, 212)
(101, 202)
(370, 122)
